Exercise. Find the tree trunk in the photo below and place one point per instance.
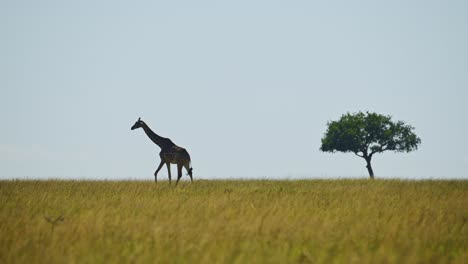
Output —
(369, 168)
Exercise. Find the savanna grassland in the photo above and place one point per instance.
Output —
(318, 221)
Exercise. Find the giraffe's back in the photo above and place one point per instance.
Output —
(176, 154)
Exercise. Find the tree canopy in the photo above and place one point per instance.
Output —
(365, 134)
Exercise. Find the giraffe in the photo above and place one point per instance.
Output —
(170, 153)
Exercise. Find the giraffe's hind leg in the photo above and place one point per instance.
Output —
(179, 172)
(189, 170)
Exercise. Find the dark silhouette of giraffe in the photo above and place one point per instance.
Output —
(170, 153)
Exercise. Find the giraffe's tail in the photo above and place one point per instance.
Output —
(189, 171)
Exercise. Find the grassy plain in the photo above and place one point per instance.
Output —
(317, 221)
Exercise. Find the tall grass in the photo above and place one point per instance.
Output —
(319, 221)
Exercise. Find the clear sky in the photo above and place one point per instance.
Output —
(247, 87)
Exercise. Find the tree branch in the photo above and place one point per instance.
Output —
(382, 148)
(356, 153)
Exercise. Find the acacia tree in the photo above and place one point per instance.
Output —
(366, 134)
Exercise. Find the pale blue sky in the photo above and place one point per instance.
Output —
(246, 86)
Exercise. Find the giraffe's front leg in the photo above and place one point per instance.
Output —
(169, 171)
(156, 172)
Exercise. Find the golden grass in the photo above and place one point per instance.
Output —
(319, 221)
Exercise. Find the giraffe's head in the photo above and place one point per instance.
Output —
(137, 124)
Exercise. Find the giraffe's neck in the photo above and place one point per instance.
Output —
(158, 140)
